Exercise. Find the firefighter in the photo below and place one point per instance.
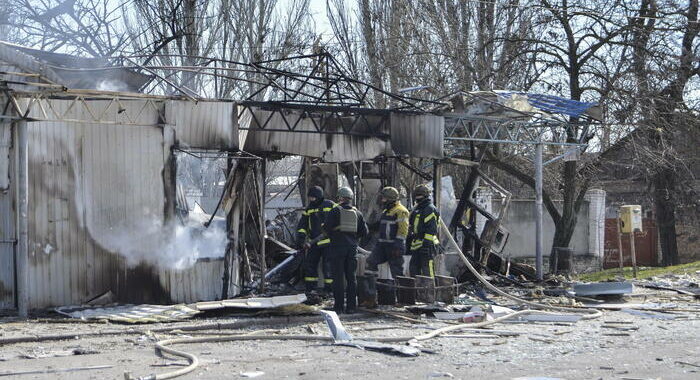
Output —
(393, 229)
(423, 241)
(310, 238)
(345, 226)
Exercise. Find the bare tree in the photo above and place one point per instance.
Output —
(83, 27)
(571, 41)
(662, 71)
(255, 30)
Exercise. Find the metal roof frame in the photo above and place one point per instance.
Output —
(462, 127)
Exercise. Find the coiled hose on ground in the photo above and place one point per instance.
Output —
(590, 313)
(162, 346)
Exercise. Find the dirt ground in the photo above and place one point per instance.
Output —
(617, 345)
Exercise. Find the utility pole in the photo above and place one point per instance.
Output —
(538, 211)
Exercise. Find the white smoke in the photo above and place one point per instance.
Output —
(171, 246)
(112, 85)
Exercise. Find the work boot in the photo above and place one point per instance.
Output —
(366, 290)
(369, 298)
(313, 298)
(310, 286)
(328, 289)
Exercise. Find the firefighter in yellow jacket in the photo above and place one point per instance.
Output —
(423, 240)
(393, 229)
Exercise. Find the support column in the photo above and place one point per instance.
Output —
(538, 211)
(437, 183)
(21, 255)
(263, 230)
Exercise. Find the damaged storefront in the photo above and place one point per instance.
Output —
(104, 210)
(102, 200)
(143, 198)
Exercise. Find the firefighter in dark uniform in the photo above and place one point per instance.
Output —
(310, 238)
(393, 229)
(423, 240)
(345, 226)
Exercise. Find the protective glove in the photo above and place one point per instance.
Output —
(299, 243)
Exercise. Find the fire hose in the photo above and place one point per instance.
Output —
(162, 346)
(591, 313)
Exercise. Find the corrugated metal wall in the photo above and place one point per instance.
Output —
(7, 220)
(5, 144)
(207, 125)
(331, 148)
(417, 135)
(7, 213)
(86, 182)
(198, 283)
(409, 134)
(7, 251)
(93, 187)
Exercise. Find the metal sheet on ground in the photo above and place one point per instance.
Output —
(131, 313)
(603, 288)
(252, 303)
(173, 313)
(343, 338)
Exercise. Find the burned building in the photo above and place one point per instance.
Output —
(89, 196)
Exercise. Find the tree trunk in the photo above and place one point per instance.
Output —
(665, 206)
(573, 199)
(370, 42)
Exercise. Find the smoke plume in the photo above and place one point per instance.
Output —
(171, 246)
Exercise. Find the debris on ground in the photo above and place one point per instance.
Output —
(285, 305)
(252, 374)
(400, 330)
(342, 338)
(603, 289)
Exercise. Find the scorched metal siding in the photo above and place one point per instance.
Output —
(201, 282)
(329, 147)
(87, 180)
(417, 135)
(92, 187)
(7, 215)
(7, 248)
(204, 124)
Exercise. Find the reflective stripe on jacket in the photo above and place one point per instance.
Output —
(424, 225)
(393, 224)
(312, 219)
